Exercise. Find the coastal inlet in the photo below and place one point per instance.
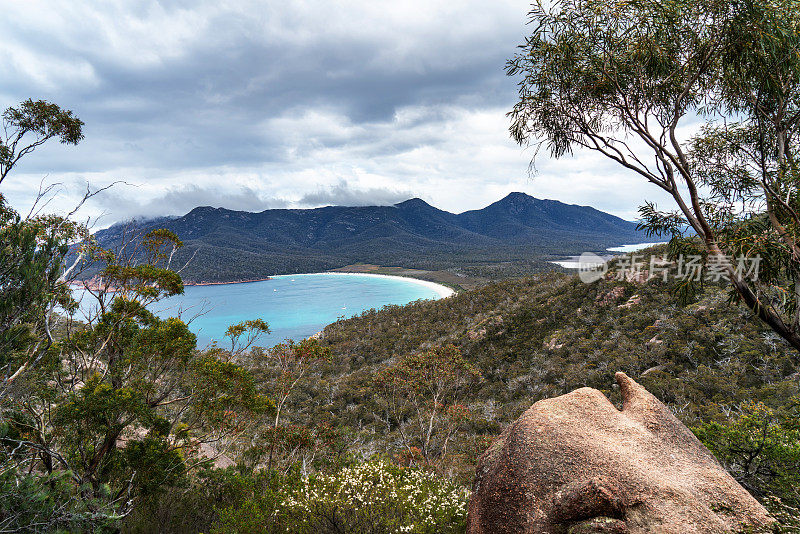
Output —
(295, 306)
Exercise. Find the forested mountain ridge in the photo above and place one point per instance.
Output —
(230, 245)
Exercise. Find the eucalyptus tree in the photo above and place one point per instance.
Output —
(699, 98)
(121, 404)
(101, 408)
(29, 126)
(32, 254)
(32, 249)
(423, 393)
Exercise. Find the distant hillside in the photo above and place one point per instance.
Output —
(232, 245)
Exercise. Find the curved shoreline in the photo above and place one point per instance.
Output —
(441, 290)
(224, 283)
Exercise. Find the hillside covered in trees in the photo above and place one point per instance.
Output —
(434, 382)
(540, 337)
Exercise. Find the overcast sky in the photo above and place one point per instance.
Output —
(260, 104)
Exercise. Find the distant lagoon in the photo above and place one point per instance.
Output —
(625, 249)
(295, 306)
(572, 262)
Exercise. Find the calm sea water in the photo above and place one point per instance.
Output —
(633, 248)
(294, 306)
(571, 262)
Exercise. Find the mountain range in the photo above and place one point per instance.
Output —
(229, 245)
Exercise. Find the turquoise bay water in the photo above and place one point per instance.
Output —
(295, 306)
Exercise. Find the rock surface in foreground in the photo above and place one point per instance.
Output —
(577, 464)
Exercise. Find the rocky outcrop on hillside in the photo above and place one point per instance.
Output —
(576, 464)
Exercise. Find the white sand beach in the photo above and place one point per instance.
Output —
(441, 290)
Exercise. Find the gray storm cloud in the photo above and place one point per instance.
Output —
(180, 200)
(121, 199)
(280, 100)
(341, 194)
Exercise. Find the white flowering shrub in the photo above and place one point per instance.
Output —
(377, 497)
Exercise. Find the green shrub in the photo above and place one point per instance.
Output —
(207, 494)
(760, 447)
(35, 502)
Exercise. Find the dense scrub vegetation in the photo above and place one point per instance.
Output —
(375, 496)
(718, 368)
(544, 336)
(432, 383)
